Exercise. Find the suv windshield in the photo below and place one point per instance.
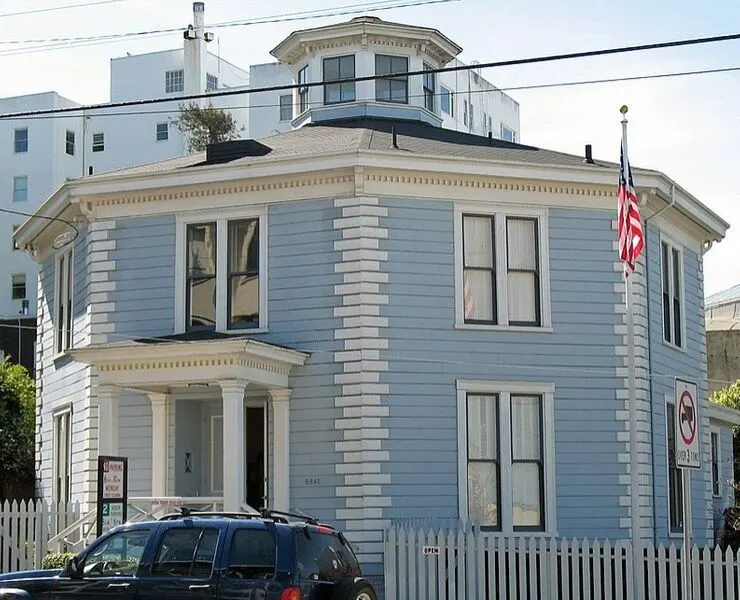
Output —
(323, 557)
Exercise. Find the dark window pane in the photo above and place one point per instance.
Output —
(118, 556)
(186, 553)
(252, 554)
(324, 557)
(244, 301)
(243, 273)
(331, 69)
(201, 302)
(675, 485)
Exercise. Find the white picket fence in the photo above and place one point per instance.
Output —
(25, 531)
(464, 563)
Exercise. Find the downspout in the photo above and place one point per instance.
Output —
(649, 345)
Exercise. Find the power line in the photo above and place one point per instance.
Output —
(375, 6)
(286, 87)
(62, 239)
(55, 8)
(535, 86)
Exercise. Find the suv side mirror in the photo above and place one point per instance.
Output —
(73, 568)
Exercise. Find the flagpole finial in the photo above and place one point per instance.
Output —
(624, 109)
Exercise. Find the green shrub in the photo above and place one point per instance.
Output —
(56, 560)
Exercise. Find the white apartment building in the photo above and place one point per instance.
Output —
(37, 154)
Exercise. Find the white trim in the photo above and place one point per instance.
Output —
(224, 216)
(712, 431)
(58, 414)
(723, 414)
(505, 389)
(63, 294)
(214, 419)
(673, 245)
(500, 251)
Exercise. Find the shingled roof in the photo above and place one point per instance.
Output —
(358, 134)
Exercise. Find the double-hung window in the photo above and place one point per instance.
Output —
(62, 453)
(430, 85)
(396, 87)
(223, 269)
(70, 143)
(20, 188)
(447, 101)
(163, 132)
(505, 443)
(507, 134)
(20, 140)
(18, 286)
(336, 68)
(63, 301)
(211, 82)
(174, 81)
(98, 142)
(286, 107)
(502, 268)
(671, 268)
(714, 436)
(303, 90)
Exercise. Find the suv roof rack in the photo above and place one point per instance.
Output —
(277, 516)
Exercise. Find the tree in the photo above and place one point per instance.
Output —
(205, 125)
(17, 420)
(727, 396)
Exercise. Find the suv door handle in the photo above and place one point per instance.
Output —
(118, 585)
(199, 587)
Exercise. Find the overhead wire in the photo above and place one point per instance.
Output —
(57, 8)
(456, 68)
(416, 96)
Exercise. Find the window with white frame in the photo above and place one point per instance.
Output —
(715, 462)
(303, 90)
(174, 81)
(505, 440)
(507, 134)
(62, 452)
(18, 286)
(502, 268)
(63, 301)
(163, 132)
(211, 82)
(20, 188)
(20, 140)
(223, 284)
(447, 101)
(675, 483)
(671, 269)
(430, 87)
(286, 107)
(70, 143)
(394, 85)
(335, 68)
(98, 142)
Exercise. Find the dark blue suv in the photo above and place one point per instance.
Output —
(206, 556)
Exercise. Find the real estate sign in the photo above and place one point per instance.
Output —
(112, 492)
(688, 454)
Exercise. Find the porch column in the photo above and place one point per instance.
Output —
(232, 394)
(160, 442)
(107, 398)
(281, 454)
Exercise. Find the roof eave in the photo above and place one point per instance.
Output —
(725, 414)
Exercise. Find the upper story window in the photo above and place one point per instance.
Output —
(63, 300)
(671, 268)
(430, 88)
(223, 281)
(465, 112)
(396, 87)
(303, 90)
(339, 67)
(211, 82)
(471, 118)
(70, 143)
(174, 81)
(15, 243)
(18, 286)
(163, 132)
(502, 260)
(286, 107)
(716, 461)
(20, 140)
(447, 101)
(20, 188)
(507, 133)
(98, 142)
(506, 455)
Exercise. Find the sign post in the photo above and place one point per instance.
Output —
(688, 457)
(112, 492)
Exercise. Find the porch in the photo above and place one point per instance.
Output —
(206, 417)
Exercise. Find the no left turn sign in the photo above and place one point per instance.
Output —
(686, 426)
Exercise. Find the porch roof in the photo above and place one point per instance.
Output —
(192, 358)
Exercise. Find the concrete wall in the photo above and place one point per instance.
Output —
(723, 358)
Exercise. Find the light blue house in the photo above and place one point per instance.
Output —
(372, 318)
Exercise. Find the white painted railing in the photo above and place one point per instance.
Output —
(464, 563)
(31, 530)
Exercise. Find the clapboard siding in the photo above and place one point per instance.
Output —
(301, 300)
(667, 363)
(135, 441)
(427, 355)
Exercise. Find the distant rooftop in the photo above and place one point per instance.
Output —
(727, 296)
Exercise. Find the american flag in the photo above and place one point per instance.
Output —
(631, 240)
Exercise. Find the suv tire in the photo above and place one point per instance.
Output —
(354, 590)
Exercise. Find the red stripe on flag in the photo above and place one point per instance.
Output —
(631, 240)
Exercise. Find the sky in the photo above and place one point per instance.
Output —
(687, 127)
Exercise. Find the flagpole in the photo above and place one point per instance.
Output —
(632, 386)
